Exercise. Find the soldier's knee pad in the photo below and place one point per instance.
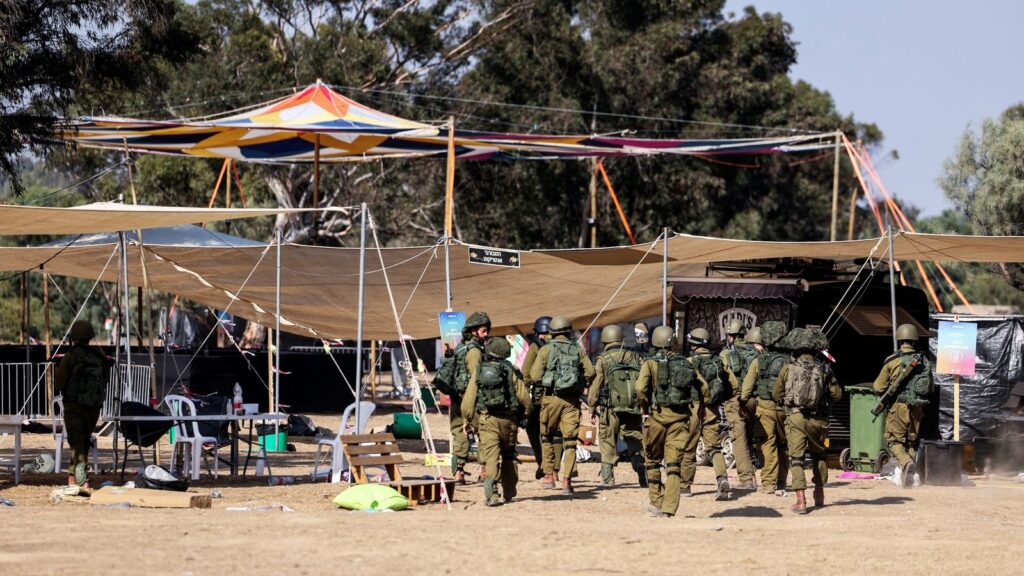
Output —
(712, 450)
(547, 439)
(570, 444)
(672, 470)
(809, 461)
(796, 462)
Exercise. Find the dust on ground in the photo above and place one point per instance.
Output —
(868, 526)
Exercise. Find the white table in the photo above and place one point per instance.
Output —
(11, 424)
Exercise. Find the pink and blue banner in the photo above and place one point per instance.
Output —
(957, 348)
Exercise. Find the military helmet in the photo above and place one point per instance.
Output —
(735, 326)
(476, 320)
(771, 332)
(540, 325)
(81, 330)
(498, 347)
(662, 337)
(560, 325)
(906, 332)
(754, 336)
(699, 336)
(611, 334)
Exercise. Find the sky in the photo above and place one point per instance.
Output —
(922, 70)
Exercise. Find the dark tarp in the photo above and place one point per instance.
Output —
(1000, 365)
(739, 290)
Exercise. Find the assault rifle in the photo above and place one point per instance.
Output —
(886, 400)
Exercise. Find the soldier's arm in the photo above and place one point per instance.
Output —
(537, 369)
(734, 381)
(780, 384)
(64, 371)
(469, 399)
(588, 367)
(531, 356)
(473, 360)
(705, 391)
(833, 387)
(523, 394)
(882, 382)
(595, 386)
(643, 384)
(747, 390)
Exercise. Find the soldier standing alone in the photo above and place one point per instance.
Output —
(612, 401)
(81, 378)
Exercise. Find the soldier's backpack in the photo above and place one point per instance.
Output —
(453, 375)
(712, 369)
(494, 388)
(739, 358)
(619, 390)
(918, 385)
(563, 374)
(676, 387)
(87, 382)
(769, 365)
(805, 384)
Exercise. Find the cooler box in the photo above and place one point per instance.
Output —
(940, 463)
(272, 443)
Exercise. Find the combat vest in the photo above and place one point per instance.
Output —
(805, 386)
(87, 381)
(710, 366)
(452, 377)
(618, 392)
(563, 374)
(676, 385)
(918, 385)
(495, 388)
(769, 365)
(739, 357)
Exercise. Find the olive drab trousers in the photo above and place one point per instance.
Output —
(533, 434)
(738, 435)
(806, 438)
(902, 425)
(498, 443)
(79, 423)
(615, 425)
(666, 436)
(710, 431)
(460, 442)
(559, 415)
(770, 422)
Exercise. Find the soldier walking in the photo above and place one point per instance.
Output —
(613, 403)
(756, 394)
(736, 357)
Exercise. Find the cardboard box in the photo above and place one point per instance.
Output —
(588, 435)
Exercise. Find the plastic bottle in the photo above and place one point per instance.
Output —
(238, 398)
(280, 480)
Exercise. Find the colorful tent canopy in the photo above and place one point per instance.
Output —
(287, 130)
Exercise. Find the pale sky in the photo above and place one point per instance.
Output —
(923, 70)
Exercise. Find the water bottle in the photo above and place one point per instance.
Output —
(238, 399)
(280, 480)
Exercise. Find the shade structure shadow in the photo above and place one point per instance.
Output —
(748, 512)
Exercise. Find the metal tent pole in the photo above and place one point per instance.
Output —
(664, 279)
(359, 315)
(277, 337)
(892, 289)
(127, 317)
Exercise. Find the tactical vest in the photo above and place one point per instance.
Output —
(618, 392)
(711, 368)
(87, 381)
(495, 392)
(563, 374)
(452, 378)
(769, 365)
(739, 358)
(918, 385)
(805, 386)
(676, 387)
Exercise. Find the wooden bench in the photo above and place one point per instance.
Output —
(382, 450)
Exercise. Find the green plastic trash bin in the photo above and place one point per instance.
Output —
(867, 451)
(406, 426)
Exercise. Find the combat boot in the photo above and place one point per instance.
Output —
(723, 488)
(908, 475)
(685, 492)
(641, 471)
(539, 473)
(819, 496)
(801, 503)
(460, 477)
(567, 486)
(548, 481)
(607, 475)
(493, 500)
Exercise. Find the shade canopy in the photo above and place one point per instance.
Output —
(289, 130)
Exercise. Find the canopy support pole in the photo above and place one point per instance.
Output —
(853, 212)
(46, 338)
(127, 319)
(449, 212)
(24, 309)
(664, 278)
(277, 338)
(892, 288)
(316, 185)
(835, 190)
(359, 314)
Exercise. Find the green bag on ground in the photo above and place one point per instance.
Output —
(371, 497)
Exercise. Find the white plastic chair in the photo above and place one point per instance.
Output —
(188, 433)
(60, 436)
(333, 443)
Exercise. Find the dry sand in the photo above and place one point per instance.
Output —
(868, 526)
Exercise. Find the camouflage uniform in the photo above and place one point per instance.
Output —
(902, 421)
(706, 427)
(533, 422)
(616, 423)
(770, 420)
(82, 378)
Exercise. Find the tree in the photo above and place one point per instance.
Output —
(985, 180)
(54, 53)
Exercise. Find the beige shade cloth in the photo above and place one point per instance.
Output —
(319, 286)
(113, 217)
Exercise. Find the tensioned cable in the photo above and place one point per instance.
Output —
(852, 282)
(858, 295)
(83, 182)
(44, 262)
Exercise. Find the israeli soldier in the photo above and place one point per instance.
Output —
(758, 389)
(907, 375)
(540, 337)
(468, 357)
(737, 356)
(564, 371)
(707, 425)
(807, 389)
(498, 398)
(612, 399)
(81, 378)
(667, 388)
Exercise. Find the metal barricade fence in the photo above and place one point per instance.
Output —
(23, 387)
(134, 389)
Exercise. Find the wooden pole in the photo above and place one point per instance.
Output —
(216, 187)
(593, 191)
(835, 191)
(46, 338)
(316, 171)
(227, 187)
(24, 310)
(853, 213)
(373, 369)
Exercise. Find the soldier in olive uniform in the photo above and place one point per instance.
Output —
(563, 371)
(909, 375)
(498, 398)
(470, 353)
(81, 378)
(807, 388)
(540, 337)
(736, 357)
(708, 425)
(756, 395)
(612, 401)
(666, 388)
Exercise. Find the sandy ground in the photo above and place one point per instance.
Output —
(868, 526)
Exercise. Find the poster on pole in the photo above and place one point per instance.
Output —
(451, 324)
(957, 348)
